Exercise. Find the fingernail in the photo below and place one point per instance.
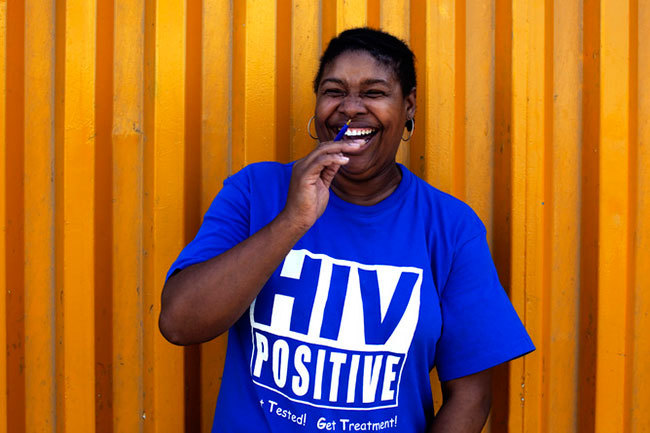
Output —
(355, 143)
(344, 158)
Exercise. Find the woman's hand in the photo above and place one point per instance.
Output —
(311, 179)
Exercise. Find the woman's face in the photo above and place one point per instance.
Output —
(356, 86)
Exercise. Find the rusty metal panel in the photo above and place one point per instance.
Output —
(121, 119)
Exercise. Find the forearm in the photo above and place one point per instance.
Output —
(204, 300)
(458, 417)
(466, 404)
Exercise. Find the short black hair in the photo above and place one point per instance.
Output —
(384, 47)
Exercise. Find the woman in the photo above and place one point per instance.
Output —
(343, 278)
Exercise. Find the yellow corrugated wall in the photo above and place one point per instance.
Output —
(121, 118)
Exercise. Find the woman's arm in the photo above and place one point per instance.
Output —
(466, 404)
(205, 299)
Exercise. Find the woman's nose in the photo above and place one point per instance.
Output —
(352, 105)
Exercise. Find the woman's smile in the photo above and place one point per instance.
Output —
(360, 132)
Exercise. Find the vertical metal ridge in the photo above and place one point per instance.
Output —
(260, 74)
(478, 121)
(59, 122)
(238, 85)
(15, 234)
(640, 401)
(38, 175)
(149, 289)
(562, 269)
(79, 178)
(527, 260)
(350, 14)
(127, 142)
(441, 76)
(216, 99)
(417, 33)
(632, 206)
(589, 217)
(613, 218)
(328, 21)
(548, 220)
(394, 17)
(305, 52)
(459, 180)
(103, 225)
(3, 217)
(193, 107)
(283, 80)
(374, 13)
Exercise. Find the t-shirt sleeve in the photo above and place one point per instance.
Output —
(225, 224)
(480, 327)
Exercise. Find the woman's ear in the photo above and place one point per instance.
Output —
(411, 104)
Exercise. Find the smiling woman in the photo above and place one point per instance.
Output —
(342, 278)
(356, 86)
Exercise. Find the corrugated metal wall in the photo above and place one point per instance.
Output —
(120, 119)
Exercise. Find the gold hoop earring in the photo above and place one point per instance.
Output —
(410, 128)
(309, 127)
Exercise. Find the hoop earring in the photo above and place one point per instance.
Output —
(309, 127)
(410, 128)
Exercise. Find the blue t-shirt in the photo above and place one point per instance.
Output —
(343, 335)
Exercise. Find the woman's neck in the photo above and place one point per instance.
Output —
(367, 192)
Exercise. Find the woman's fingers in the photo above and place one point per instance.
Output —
(309, 169)
(324, 161)
(333, 147)
(325, 154)
(327, 175)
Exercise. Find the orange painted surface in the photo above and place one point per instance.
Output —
(562, 185)
(639, 319)
(305, 51)
(351, 13)
(126, 243)
(120, 121)
(528, 240)
(40, 409)
(76, 258)
(440, 128)
(394, 17)
(3, 215)
(164, 163)
(613, 282)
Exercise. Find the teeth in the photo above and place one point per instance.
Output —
(355, 132)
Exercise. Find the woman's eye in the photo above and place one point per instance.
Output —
(374, 93)
(333, 92)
